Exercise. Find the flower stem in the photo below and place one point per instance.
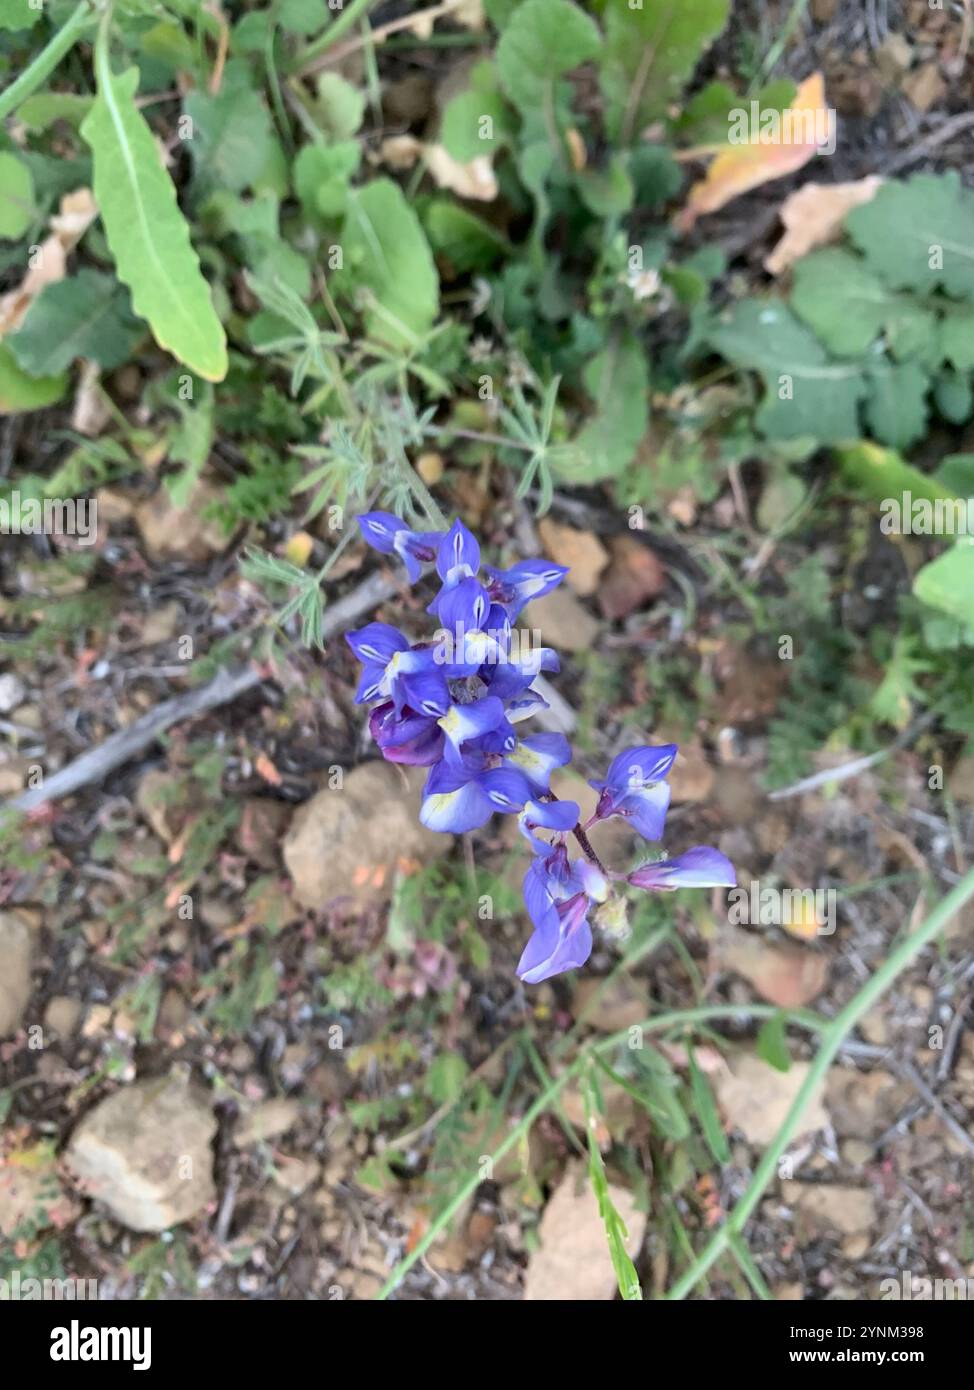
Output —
(47, 60)
(832, 1039)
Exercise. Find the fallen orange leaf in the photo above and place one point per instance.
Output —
(800, 131)
(266, 769)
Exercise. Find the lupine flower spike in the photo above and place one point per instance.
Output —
(455, 704)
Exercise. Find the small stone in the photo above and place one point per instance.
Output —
(180, 533)
(144, 1153)
(635, 576)
(62, 1015)
(856, 1152)
(855, 1247)
(16, 948)
(756, 1097)
(924, 87)
(296, 1175)
(430, 468)
(562, 621)
(267, 1121)
(349, 842)
(832, 1206)
(12, 692)
(582, 551)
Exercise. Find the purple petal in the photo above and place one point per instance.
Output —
(554, 949)
(635, 768)
(458, 554)
(380, 529)
(507, 790)
(453, 802)
(377, 642)
(702, 867)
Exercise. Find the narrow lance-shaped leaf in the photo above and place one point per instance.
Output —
(146, 231)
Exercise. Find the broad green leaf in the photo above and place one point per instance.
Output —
(86, 315)
(618, 382)
(848, 307)
(465, 240)
(808, 395)
(387, 254)
(947, 583)
(16, 197)
(477, 121)
(18, 14)
(146, 231)
(650, 54)
(232, 137)
(706, 118)
(841, 300)
(896, 407)
(44, 108)
(957, 338)
(955, 400)
(919, 234)
(956, 472)
(543, 40)
(18, 391)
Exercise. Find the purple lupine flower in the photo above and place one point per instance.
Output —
(702, 867)
(456, 799)
(559, 895)
(634, 788)
(390, 536)
(453, 705)
(407, 737)
(527, 580)
(546, 815)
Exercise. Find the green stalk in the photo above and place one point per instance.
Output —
(660, 1024)
(832, 1039)
(357, 10)
(47, 60)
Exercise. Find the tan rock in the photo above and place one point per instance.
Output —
(582, 551)
(180, 533)
(789, 976)
(267, 1121)
(755, 1098)
(864, 1104)
(349, 842)
(144, 1154)
(16, 947)
(831, 1206)
(63, 1015)
(572, 1261)
(562, 621)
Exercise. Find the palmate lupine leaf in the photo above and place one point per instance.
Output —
(146, 231)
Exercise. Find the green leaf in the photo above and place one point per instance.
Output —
(543, 40)
(772, 1042)
(44, 108)
(232, 137)
(807, 393)
(18, 14)
(706, 1108)
(477, 121)
(190, 444)
(880, 473)
(650, 53)
(957, 338)
(618, 382)
(146, 231)
(919, 234)
(896, 408)
(615, 1228)
(837, 296)
(947, 583)
(465, 240)
(16, 197)
(321, 178)
(955, 400)
(18, 391)
(340, 105)
(86, 315)
(445, 1078)
(656, 1088)
(387, 253)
